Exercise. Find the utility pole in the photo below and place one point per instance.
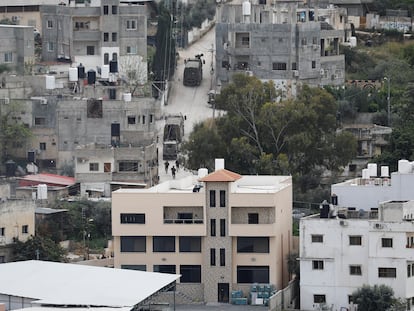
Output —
(388, 101)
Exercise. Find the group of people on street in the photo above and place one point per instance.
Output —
(174, 169)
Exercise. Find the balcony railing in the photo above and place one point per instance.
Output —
(183, 221)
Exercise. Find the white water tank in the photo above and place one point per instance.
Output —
(218, 164)
(247, 8)
(372, 169)
(50, 83)
(202, 172)
(385, 171)
(404, 167)
(127, 97)
(73, 74)
(353, 41)
(105, 72)
(42, 192)
(365, 173)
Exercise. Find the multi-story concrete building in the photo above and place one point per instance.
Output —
(17, 48)
(96, 32)
(220, 231)
(339, 255)
(280, 41)
(374, 187)
(17, 221)
(372, 140)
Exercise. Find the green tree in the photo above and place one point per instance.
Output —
(12, 131)
(38, 248)
(374, 298)
(165, 55)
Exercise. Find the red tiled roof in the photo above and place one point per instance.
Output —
(221, 175)
(48, 179)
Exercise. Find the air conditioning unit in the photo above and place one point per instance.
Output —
(378, 226)
(15, 19)
(295, 73)
(41, 100)
(316, 47)
(343, 223)
(322, 72)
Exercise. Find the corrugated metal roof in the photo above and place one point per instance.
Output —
(221, 175)
(58, 284)
(50, 179)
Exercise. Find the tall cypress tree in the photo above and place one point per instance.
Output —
(164, 59)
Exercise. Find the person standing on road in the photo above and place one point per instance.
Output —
(173, 170)
(177, 164)
(166, 165)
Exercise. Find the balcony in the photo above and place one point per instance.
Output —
(87, 35)
(184, 218)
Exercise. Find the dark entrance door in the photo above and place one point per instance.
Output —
(223, 292)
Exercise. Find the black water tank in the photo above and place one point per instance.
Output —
(115, 129)
(334, 199)
(91, 76)
(10, 168)
(324, 209)
(81, 72)
(113, 66)
(112, 93)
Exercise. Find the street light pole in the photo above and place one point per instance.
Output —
(388, 101)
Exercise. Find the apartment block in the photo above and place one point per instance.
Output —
(17, 221)
(17, 48)
(281, 41)
(341, 250)
(221, 231)
(376, 186)
(95, 33)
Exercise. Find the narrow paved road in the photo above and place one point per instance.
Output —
(191, 102)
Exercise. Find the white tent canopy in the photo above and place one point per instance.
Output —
(60, 284)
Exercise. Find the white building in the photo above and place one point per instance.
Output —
(339, 255)
(368, 191)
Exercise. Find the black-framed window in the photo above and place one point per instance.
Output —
(355, 240)
(253, 244)
(106, 36)
(105, 10)
(319, 298)
(114, 9)
(106, 59)
(114, 37)
(222, 198)
(25, 229)
(212, 227)
(190, 273)
(165, 269)
(128, 166)
(133, 244)
(93, 167)
(90, 50)
(386, 242)
(130, 218)
(190, 244)
(212, 198)
(279, 66)
(355, 270)
(222, 257)
(317, 238)
(317, 264)
(252, 274)
(222, 227)
(253, 218)
(212, 256)
(387, 272)
(134, 267)
(163, 244)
